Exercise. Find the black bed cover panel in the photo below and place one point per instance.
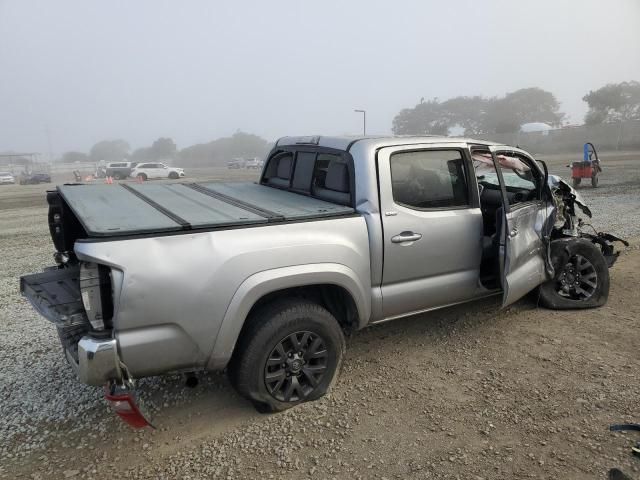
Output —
(128, 209)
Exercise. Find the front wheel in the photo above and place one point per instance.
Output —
(581, 276)
(290, 352)
(594, 181)
(173, 175)
(576, 181)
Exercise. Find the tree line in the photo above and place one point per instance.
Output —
(478, 115)
(216, 152)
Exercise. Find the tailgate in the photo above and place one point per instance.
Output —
(55, 294)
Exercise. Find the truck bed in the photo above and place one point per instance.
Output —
(132, 209)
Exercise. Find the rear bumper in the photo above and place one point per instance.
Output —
(98, 361)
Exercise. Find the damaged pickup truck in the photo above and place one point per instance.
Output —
(339, 233)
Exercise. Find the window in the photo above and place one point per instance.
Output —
(429, 179)
(322, 167)
(520, 181)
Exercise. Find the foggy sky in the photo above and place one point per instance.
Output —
(198, 70)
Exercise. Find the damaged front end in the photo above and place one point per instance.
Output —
(567, 223)
(577, 261)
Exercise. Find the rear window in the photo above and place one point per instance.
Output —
(322, 175)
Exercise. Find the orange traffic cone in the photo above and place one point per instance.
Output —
(139, 179)
(109, 180)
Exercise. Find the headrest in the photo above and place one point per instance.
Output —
(284, 167)
(337, 177)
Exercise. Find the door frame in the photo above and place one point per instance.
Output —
(509, 231)
(389, 207)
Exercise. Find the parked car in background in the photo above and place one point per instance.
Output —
(119, 170)
(253, 163)
(147, 171)
(235, 163)
(34, 178)
(6, 178)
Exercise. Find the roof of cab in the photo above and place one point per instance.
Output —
(346, 142)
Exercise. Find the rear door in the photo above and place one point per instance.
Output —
(432, 227)
(522, 250)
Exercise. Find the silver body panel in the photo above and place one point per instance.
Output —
(177, 292)
(180, 300)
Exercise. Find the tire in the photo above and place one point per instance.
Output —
(173, 175)
(594, 181)
(142, 176)
(267, 337)
(576, 182)
(118, 176)
(579, 262)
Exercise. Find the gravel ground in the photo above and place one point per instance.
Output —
(468, 392)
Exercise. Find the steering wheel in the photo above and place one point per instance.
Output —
(521, 174)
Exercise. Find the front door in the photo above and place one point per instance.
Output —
(522, 250)
(432, 227)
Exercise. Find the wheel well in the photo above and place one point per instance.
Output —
(337, 300)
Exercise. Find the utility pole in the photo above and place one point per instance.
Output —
(48, 132)
(364, 121)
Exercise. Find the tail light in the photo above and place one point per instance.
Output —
(124, 404)
(95, 290)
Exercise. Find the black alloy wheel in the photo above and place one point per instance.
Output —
(581, 277)
(578, 280)
(295, 366)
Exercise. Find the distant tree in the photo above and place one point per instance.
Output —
(507, 114)
(479, 115)
(615, 102)
(426, 118)
(109, 150)
(72, 157)
(163, 148)
(219, 151)
(141, 155)
(467, 112)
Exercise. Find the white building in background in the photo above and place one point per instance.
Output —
(535, 127)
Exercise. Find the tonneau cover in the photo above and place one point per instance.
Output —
(130, 209)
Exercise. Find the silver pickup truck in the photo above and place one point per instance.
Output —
(265, 278)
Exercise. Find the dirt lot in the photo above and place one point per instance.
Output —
(468, 392)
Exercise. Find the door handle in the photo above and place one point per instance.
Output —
(406, 237)
(513, 232)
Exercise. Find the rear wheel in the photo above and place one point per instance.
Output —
(581, 276)
(594, 181)
(142, 177)
(118, 176)
(289, 353)
(173, 175)
(576, 181)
